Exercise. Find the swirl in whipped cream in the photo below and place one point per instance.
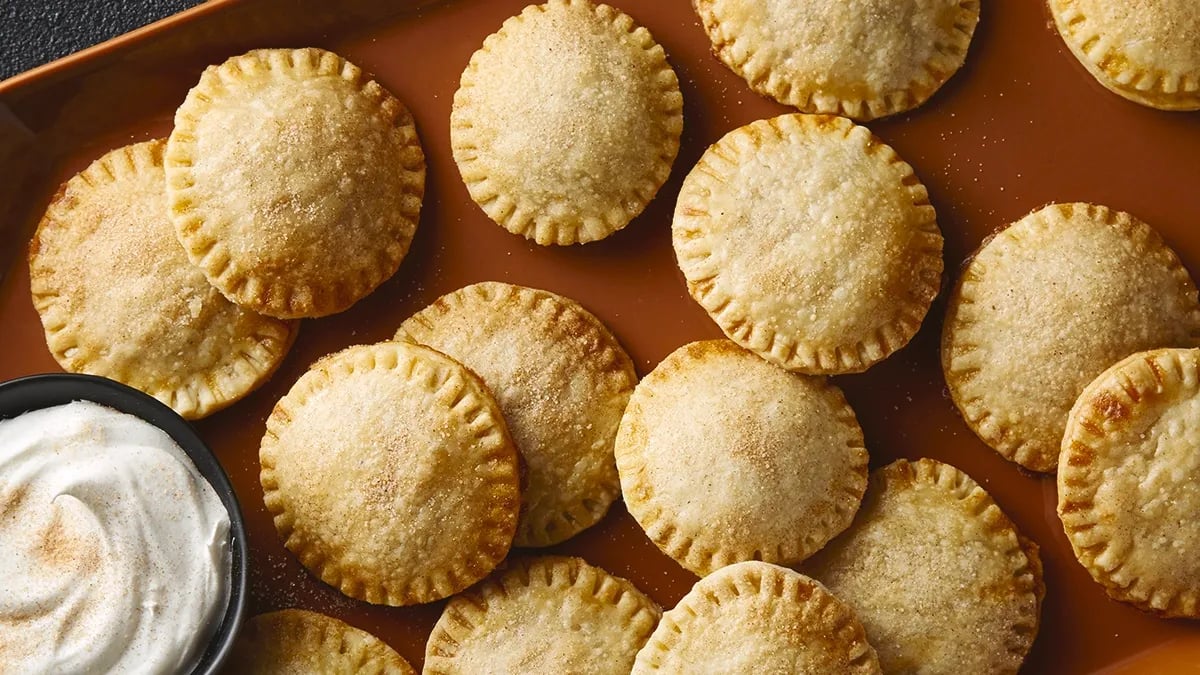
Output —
(114, 550)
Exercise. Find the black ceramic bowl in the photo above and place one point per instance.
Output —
(44, 391)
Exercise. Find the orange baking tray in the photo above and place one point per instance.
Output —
(1022, 124)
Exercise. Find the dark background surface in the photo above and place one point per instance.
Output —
(33, 32)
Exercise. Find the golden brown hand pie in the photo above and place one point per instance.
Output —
(543, 616)
(566, 122)
(1129, 481)
(859, 58)
(390, 474)
(294, 181)
(755, 617)
(724, 457)
(809, 242)
(299, 642)
(1144, 51)
(939, 576)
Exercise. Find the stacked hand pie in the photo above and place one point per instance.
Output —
(289, 188)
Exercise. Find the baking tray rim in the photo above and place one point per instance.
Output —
(77, 61)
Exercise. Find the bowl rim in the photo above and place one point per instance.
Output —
(50, 389)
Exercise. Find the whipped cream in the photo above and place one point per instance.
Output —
(114, 550)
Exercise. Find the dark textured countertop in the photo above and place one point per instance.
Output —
(33, 32)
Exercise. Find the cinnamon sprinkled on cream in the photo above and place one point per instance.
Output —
(115, 556)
